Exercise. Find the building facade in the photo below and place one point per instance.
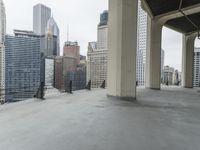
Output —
(53, 34)
(2, 51)
(78, 79)
(72, 49)
(49, 72)
(162, 65)
(168, 75)
(63, 65)
(49, 45)
(98, 54)
(41, 15)
(45, 26)
(196, 78)
(22, 59)
(141, 45)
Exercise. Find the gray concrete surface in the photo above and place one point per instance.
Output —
(158, 120)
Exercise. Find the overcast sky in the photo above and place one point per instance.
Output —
(82, 16)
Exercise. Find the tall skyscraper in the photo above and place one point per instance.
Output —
(52, 30)
(141, 45)
(98, 54)
(41, 15)
(45, 26)
(103, 31)
(22, 66)
(2, 51)
(162, 65)
(196, 78)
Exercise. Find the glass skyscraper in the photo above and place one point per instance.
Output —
(45, 26)
(41, 15)
(22, 67)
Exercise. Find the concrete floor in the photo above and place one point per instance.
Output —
(158, 120)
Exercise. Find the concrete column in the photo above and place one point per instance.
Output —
(188, 61)
(122, 47)
(153, 54)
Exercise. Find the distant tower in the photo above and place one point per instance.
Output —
(162, 64)
(103, 31)
(98, 54)
(41, 15)
(52, 31)
(2, 50)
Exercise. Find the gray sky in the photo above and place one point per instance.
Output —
(82, 17)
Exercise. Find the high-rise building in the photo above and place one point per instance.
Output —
(45, 26)
(23, 64)
(41, 15)
(2, 51)
(63, 65)
(52, 30)
(49, 45)
(49, 72)
(98, 54)
(141, 45)
(168, 75)
(162, 65)
(103, 31)
(176, 78)
(196, 78)
(72, 49)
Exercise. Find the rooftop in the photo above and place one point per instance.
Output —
(89, 120)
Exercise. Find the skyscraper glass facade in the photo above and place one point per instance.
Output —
(41, 15)
(22, 67)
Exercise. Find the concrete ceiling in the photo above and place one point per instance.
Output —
(159, 7)
(182, 24)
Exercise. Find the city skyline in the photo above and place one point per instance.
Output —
(82, 26)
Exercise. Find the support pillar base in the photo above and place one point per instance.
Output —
(157, 89)
(132, 99)
(188, 87)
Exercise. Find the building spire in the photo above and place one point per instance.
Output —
(67, 32)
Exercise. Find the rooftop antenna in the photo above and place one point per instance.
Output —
(67, 32)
